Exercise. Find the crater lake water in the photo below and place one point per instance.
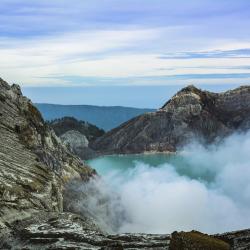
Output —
(200, 188)
(124, 164)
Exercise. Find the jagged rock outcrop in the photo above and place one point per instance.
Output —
(34, 164)
(190, 114)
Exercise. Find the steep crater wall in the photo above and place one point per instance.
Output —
(191, 114)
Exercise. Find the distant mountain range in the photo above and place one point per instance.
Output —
(105, 117)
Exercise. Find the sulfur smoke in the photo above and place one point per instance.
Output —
(213, 197)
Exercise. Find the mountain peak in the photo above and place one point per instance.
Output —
(190, 114)
(187, 95)
(190, 88)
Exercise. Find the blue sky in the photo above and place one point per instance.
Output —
(147, 47)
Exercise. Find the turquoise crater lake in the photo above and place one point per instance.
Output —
(124, 163)
(200, 188)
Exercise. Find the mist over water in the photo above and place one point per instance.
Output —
(201, 188)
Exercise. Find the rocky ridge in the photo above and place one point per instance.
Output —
(188, 115)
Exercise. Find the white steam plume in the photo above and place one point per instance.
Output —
(161, 200)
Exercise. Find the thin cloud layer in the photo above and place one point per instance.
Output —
(57, 43)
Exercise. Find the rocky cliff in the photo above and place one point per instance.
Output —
(190, 114)
(34, 165)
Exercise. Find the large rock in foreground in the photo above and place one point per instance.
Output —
(69, 231)
(189, 115)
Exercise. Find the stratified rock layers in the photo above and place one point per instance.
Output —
(33, 162)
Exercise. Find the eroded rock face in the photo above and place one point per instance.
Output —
(34, 164)
(190, 114)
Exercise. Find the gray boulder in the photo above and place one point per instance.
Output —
(74, 140)
(78, 144)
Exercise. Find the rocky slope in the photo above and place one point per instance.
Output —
(190, 114)
(34, 164)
